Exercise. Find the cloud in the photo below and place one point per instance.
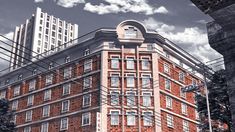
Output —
(192, 39)
(124, 6)
(68, 3)
(37, 1)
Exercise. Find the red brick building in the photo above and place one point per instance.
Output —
(126, 79)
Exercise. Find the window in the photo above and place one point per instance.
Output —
(49, 79)
(39, 36)
(46, 38)
(130, 64)
(41, 15)
(149, 47)
(131, 118)
(145, 81)
(65, 106)
(88, 65)
(35, 71)
(114, 98)
(27, 129)
(3, 94)
(20, 77)
(47, 31)
(47, 24)
(38, 50)
(53, 27)
(184, 108)
(40, 21)
(130, 79)
(145, 64)
(146, 99)
(28, 116)
(14, 105)
(115, 80)
(130, 99)
(185, 126)
(67, 72)
(194, 82)
(168, 102)
(40, 28)
(86, 117)
(181, 76)
(166, 68)
(167, 84)
(66, 88)
(44, 127)
(86, 100)
(59, 36)
(51, 65)
(115, 62)
(46, 111)
(147, 117)
(67, 59)
(87, 82)
(114, 117)
(52, 40)
(64, 124)
(32, 85)
(30, 100)
(182, 94)
(54, 20)
(16, 90)
(86, 52)
(53, 35)
(131, 32)
(47, 95)
(170, 121)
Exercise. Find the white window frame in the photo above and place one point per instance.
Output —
(27, 129)
(44, 127)
(16, 90)
(66, 88)
(88, 65)
(131, 119)
(32, 85)
(62, 127)
(115, 83)
(112, 118)
(131, 102)
(86, 52)
(147, 122)
(182, 94)
(65, 108)
(67, 72)
(115, 102)
(147, 85)
(170, 103)
(145, 60)
(149, 104)
(49, 79)
(30, 100)
(130, 63)
(86, 116)
(170, 120)
(166, 68)
(167, 84)
(115, 62)
(47, 94)
(87, 84)
(130, 83)
(184, 108)
(181, 76)
(46, 111)
(14, 105)
(3, 94)
(84, 104)
(185, 126)
(28, 115)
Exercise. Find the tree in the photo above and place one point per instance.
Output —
(219, 102)
(6, 125)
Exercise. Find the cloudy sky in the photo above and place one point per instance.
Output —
(178, 20)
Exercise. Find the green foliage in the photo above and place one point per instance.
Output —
(6, 125)
(219, 101)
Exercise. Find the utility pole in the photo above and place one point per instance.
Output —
(207, 99)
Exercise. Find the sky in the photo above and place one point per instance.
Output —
(178, 20)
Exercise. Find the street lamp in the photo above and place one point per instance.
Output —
(192, 88)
